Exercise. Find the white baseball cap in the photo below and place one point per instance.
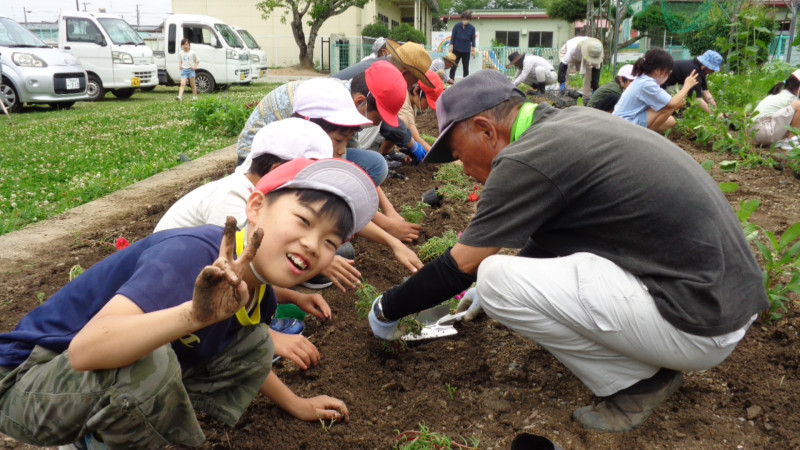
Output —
(337, 176)
(327, 99)
(626, 72)
(289, 139)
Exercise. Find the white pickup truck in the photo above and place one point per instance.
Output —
(224, 59)
(114, 55)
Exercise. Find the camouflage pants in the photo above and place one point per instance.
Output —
(148, 404)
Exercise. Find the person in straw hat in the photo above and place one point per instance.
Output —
(532, 70)
(587, 54)
(444, 64)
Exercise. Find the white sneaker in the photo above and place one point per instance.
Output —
(789, 144)
(194, 99)
(178, 98)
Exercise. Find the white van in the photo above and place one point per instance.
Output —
(223, 57)
(113, 54)
(32, 72)
(258, 59)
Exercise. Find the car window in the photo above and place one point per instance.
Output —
(229, 36)
(120, 32)
(13, 34)
(248, 39)
(81, 30)
(200, 34)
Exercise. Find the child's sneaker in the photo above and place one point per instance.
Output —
(287, 326)
(194, 99)
(178, 98)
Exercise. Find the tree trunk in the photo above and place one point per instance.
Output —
(307, 62)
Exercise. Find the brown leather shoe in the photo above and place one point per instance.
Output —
(629, 408)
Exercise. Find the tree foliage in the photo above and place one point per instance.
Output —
(311, 13)
(567, 10)
(405, 32)
(375, 30)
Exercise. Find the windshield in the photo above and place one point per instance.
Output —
(13, 35)
(230, 37)
(248, 39)
(120, 32)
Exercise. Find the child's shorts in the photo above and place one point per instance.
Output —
(772, 128)
(187, 73)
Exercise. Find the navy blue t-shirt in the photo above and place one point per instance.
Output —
(155, 273)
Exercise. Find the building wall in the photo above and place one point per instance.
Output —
(276, 39)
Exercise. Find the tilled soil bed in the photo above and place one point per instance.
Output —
(486, 382)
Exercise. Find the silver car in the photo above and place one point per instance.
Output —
(32, 72)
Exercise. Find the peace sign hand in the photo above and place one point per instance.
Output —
(219, 290)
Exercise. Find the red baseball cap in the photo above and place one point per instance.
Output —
(337, 176)
(389, 88)
(432, 94)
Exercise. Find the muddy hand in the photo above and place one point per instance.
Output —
(219, 290)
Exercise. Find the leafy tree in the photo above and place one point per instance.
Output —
(405, 32)
(375, 30)
(312, 13)
(567, 10)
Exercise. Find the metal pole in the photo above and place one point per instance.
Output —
(792, 30)
(25, 14)
(616, 40)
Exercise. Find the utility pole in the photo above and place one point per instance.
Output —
(137, 16)
(84, 6)
(77, 6)
(25, 14)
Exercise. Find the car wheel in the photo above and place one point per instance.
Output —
(205, 82)
(9, 97)
(61, 105)
(95, 89)
(122, 93)
(148, 88)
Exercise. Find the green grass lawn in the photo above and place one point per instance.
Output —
(51, 161)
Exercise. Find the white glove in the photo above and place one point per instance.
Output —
(384, 330)
(470, 303)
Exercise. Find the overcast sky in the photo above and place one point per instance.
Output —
(151, 12)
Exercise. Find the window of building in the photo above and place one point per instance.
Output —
(396, 24)
(507, 38)
(384, 20)
(540, 39)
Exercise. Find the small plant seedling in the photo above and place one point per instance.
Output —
(41, 296)
(426, 439)
(365, 294)
(728, 188)
(75, 271)
(450, 390)
(435, 246)
(414, 213)
(454, 192)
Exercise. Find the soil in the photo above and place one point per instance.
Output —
(485, 383)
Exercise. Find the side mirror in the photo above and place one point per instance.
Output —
(99, 40)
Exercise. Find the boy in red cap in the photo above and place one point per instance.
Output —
(420, 97)
(129, 349)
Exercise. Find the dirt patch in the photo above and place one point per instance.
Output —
(500, 384)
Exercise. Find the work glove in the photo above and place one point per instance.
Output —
(562, 87)
(384, 330)
(470, 303)
(417, 153)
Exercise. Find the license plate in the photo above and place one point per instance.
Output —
(73, 83)
(241, 76)
(136, 82)
(262, 74)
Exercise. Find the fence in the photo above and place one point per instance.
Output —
(344, 55)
